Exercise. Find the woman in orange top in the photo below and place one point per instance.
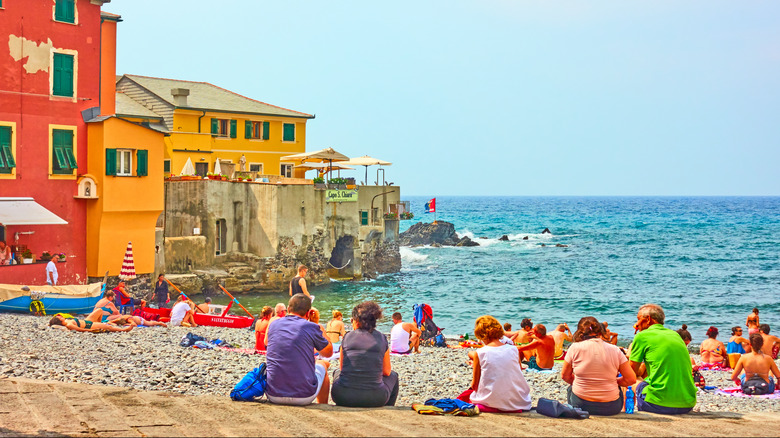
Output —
(261, 327)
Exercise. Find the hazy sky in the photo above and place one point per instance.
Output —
(498, 97)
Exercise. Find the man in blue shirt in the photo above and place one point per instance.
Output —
(294, 377)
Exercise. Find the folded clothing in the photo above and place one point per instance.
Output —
(448, 406)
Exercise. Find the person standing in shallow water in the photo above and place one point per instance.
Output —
(298, 283)
(752, 322)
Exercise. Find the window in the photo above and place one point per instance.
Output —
(124, 162)
(224, 127)
(289, 132)
(256, 130)
(363, 217)
(65, 10)
(220, 237)
(7, 162)
(167, 166)
(287, 170)
(62, 84)
(63, 159)
(119, 162)
(254, 167)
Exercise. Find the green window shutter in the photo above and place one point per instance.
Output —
(71, 159)
(214, 126)
(142, 162)
(6, 155)
(63, 161)
(289, 132)
(111, 162)
(65, 10)
(266, 130)
(167, 166)
(63, 75)
(233, 128)
(9, 156)
(363, 218)
(247, 129)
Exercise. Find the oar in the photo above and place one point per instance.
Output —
(235, 300)
(183, 294)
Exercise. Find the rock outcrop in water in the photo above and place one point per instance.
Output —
(439, 233)
(382, 257)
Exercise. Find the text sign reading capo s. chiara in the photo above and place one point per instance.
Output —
(341, 195)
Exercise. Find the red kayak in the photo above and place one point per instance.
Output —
(222, 320)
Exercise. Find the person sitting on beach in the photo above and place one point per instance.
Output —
(757, 366)
(611, 337)
(712, 350)
(752, 322)
(544, 345)
(280, 310)
(737, 344)
(686, 337)
(560, 334)
(509, 334)
(524, 336)
(85, 325)
(668, 388)
(365, 377)
(590, 367)
(497, 383)
(182, 313)
(123, 297)
(205, 307)
(261, 327)
(335, 330)
(294, 377)
(770, 341)
(107, 306)
(404, 336)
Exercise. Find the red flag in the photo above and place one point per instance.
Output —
(430, 206)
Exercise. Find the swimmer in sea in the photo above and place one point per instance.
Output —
(752, 322)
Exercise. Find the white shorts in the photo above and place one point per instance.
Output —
(321, 372)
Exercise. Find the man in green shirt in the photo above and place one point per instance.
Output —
(668, 388)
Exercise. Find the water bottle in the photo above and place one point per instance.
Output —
(629, 400)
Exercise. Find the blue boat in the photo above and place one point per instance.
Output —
(73, 299)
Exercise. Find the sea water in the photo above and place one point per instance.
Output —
(705, 260)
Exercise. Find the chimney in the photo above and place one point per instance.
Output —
(108, 63)
(180, 96)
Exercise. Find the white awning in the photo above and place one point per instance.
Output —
(25, 211)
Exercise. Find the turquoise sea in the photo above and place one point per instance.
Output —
(706, 260)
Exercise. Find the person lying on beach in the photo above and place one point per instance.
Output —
(294, 377)
(668, 388)
(544, 345)
(609, 336)
(757, 366)
(712, 350)
(560, 334)
(686, 337)
(497, 383)
(737, 344)
(752, 322)
(404, 336)
(182, 313)
(261, 327)
(335, 330)
(205, 307)
(590, 367)
(365, 377)
(770, 341)
(83, 325)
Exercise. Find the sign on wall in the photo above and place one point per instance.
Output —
(341, 195)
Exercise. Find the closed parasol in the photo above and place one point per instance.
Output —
(128, 266)
(217, 167)
(188, 169)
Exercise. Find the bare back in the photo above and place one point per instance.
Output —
(712, 351)
(752, 321)
(757, 365)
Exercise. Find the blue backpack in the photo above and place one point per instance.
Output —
(251, 386)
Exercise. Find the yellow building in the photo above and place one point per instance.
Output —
(204, 123)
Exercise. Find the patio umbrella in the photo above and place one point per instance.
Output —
(366, 161)
(217, 167)
(322, 167)
(128, 266)
(188, 169)
(328, 155)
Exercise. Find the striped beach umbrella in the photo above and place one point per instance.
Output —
(128, 266)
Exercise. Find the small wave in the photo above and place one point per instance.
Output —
(410, 257)
(531, 236)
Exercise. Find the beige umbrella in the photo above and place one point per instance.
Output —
(366, 161)
(323, 167)
(328, 155)
(217, 167)
(188, 169)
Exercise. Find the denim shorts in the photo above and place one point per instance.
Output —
(321, 372)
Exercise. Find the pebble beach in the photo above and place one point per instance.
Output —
(152, 359)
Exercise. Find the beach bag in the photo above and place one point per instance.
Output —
(190, 339)
(755, 386)
(440, 341)
(251, 386)
(698, 379)
(555, 409)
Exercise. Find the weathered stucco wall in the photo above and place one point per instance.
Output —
(268, 229)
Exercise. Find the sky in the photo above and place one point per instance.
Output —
(498, 97)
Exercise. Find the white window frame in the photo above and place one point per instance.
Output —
(256, 164)
(124, 156)
(290, 166)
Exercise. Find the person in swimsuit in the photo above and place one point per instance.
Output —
(712, 350)
(335, 330)
(261, 327)
(771, 342)
(752, 322)
(106, 304)
(543, 345)
(737, 344)
(86, 325)
(756, 365)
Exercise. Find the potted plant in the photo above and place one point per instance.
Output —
(391, 216)
(61, 257)
(27, 256)
(319, 182)
(407, 215)
(337, 183)
(45, 256)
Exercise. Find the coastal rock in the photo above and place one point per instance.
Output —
(504, 238)
(440, 232)
(383, 257)
(525, 238)
(465, 241)
(546, 231)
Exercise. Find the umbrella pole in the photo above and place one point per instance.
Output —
(366, 182)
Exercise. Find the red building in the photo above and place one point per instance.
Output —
(49, 73)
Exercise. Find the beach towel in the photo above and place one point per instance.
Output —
(736, 391)
(448, 406)
(712, 367)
